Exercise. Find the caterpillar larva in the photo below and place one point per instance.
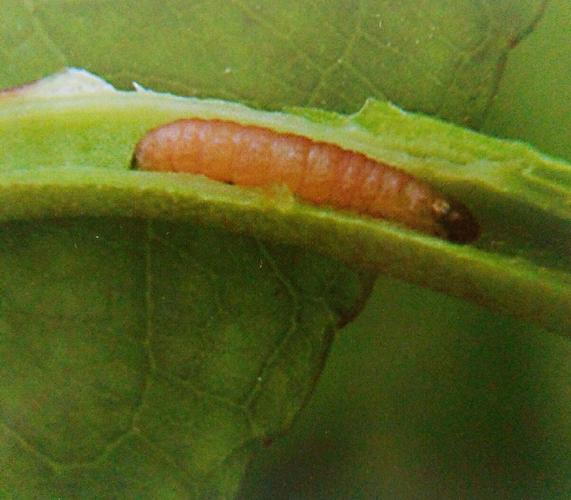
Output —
(316, 172)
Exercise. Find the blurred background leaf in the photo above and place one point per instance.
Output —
(437, 56)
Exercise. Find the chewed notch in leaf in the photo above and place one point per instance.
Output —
(68, 82)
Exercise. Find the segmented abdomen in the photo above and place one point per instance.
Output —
(316, 172)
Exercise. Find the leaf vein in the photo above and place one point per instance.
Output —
(293, 326)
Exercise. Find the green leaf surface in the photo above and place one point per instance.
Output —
(157, 374)
(439, 56)
(70, 156)
(533, 104)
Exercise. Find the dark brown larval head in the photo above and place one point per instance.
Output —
(457, 222)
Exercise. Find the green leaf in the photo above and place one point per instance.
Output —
(70, 156)
(156, 375)
(211, 49)
(439, 56)
(533, 102)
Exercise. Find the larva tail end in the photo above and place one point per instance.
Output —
(458, 223)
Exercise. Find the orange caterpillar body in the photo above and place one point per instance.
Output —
(316, 172)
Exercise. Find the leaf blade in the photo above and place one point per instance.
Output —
(492, 177)
(441, 57)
